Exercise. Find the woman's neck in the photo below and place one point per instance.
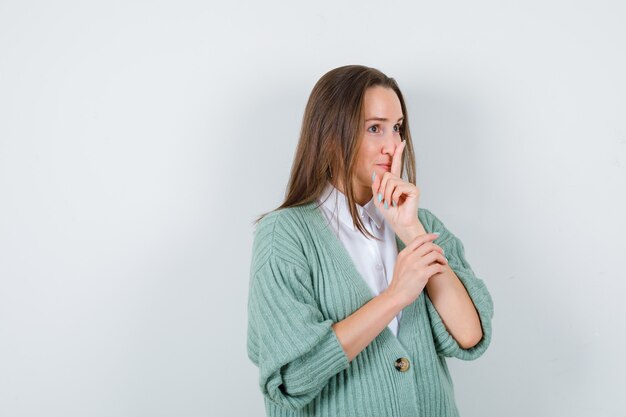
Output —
(362, 195)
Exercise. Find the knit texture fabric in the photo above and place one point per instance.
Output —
(302, 280)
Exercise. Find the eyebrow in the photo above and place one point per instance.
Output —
(381, 119)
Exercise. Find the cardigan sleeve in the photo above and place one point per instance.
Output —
(294, 347)
(445, 344)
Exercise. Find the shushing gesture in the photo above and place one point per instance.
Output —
(397, 199)
(421, 258)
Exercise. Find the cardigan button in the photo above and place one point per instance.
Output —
(402, 364)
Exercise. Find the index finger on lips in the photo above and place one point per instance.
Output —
(396, 161)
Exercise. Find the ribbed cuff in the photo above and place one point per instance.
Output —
(311, 371)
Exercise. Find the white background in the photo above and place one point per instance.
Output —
(139, 140)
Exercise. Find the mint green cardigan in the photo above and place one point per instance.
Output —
(302, 280)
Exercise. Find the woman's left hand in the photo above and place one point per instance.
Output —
(398, 199)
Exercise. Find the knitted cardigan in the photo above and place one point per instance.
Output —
(302, 280)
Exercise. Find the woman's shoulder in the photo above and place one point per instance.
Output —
(433, 223)
(428, 219)
(282, 233)
(284, 219)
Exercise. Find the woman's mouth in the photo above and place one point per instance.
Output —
(384, 166)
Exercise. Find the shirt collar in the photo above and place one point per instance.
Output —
(336, 201)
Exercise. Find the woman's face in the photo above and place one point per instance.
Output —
(381, 135)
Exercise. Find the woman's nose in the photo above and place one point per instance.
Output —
(391, 142)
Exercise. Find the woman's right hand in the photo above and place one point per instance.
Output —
(415, 264)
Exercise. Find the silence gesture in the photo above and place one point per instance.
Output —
(397, 199)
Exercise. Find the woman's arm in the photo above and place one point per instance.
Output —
(357, 330)
(445, 290)
(415, 264)
(459, 305)
(454, 305)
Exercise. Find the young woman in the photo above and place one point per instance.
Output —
(356, 293)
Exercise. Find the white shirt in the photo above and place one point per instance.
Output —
(375, 260)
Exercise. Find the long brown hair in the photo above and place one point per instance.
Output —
(330, 137)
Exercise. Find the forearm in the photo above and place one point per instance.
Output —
(451, 300)
(454, 305)
(358, 330)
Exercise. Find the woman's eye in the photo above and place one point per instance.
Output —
(397, 127)
(375, 127)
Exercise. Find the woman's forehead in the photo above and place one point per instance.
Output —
(382, 103)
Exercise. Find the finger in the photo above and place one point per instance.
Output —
(434, 269)
(403, 188)
(431, 258)
(381, 190)
(396, 162)
(427, 257)
(421, 239)
(375, 187)
(428, 247)
(389, 190)
(390, 184)
(387, 186)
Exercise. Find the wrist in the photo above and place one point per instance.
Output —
(394, 299)
(408, 234)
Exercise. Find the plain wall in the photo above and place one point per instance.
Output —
(139, 140)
